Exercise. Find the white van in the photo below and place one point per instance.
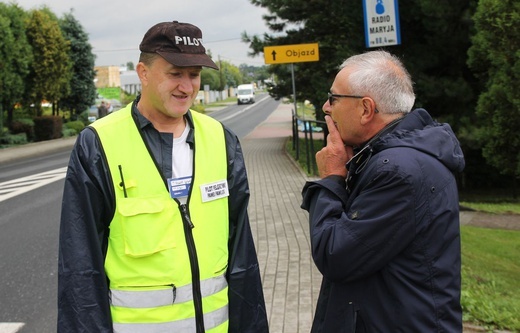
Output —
(245, 94)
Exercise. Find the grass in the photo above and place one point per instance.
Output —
(503, 201)
(490, 259)
(307, 167)
(110, 93)
(490, 271)
(224, 102)
(202, 107)
(495, 207)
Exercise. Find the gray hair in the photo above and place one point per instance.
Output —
(383, 77)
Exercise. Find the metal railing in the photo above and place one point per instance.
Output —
(307, 127)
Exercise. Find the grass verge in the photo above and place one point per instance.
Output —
(490, 271)
(494, 207)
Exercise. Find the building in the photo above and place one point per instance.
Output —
(130, 82)
(115, 76)
(107, 76)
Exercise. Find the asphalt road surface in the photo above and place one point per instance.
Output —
(30, 204)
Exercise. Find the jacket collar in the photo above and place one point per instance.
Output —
(145, 124)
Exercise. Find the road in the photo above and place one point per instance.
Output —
(30, 203)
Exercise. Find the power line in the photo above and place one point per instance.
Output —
(133, 49)
(233, 58)
(222, 40)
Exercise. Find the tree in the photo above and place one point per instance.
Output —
(50, 72)
(435, 38)
(302, 22)
(15, 57)
(254, 73)
(231, 74)
(228, 74)
(82, 92)
(495, 56)
(211, 78)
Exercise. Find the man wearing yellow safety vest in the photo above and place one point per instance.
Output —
(155, 235)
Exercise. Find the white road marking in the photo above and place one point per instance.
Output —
(243, 110)
(22, 185)
(10, 327)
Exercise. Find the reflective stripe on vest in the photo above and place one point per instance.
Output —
(211, 320)
(174, 295)
(147, 248)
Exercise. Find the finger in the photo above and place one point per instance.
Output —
(330, 123)
(333, 131)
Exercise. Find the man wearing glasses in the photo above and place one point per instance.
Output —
(384, 217)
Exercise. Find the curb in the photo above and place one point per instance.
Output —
(35, 149)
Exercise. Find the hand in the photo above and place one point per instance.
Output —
(332, 158)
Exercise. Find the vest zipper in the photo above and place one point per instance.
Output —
(195, 273)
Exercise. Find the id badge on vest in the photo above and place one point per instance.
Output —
(214, 191)
(179, 187)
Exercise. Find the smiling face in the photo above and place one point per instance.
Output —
(167, 91)
(346, 112)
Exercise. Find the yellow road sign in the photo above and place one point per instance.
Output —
(284, 54)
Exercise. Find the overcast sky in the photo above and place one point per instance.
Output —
(116, 27)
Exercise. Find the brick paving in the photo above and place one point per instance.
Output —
(290, 279)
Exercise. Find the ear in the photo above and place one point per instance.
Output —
(369, 110)
(142, 72)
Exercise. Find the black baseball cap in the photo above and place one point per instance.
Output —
(178, 43)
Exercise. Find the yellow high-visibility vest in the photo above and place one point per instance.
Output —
(148, 259)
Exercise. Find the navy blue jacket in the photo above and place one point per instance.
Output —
(388, 244)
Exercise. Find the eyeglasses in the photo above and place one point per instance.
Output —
(332, 97)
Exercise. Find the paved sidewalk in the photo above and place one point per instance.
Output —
(291, 281)
(488, 220)
(35, 149)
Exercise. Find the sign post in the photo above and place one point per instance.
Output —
(289, 54)
(381, 23)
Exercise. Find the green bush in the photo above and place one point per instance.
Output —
(68, 132)
(13, 139)
(83, 117)
(76, 125)
(47, 128)
(199, 108)
(23, 125)
(127, 98)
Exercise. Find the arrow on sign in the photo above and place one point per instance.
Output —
(274, 55)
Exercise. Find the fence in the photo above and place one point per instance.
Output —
(307, 127)
(210, 96)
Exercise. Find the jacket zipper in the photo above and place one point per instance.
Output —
(195, 273)
(190, 242)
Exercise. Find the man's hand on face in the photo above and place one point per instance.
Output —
(332, 158)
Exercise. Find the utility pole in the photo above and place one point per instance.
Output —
(1, 121)
(221, 78)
